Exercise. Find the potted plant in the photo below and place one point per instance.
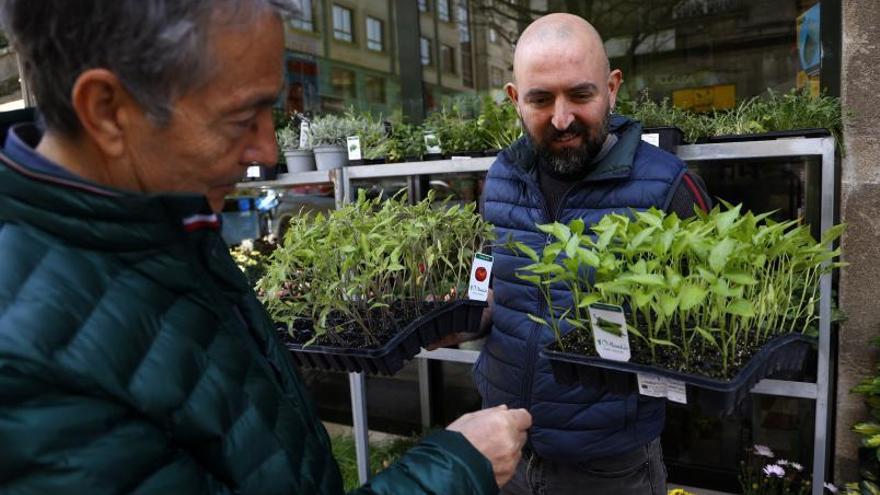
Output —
(327, 136)
(406, 143)
(298, 159)
(363, 288)
(499, 126)
(717, 301)
(374, 141)
(459, 136)
(869, 451)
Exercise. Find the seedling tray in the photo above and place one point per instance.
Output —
(457, 316)
(787, 352)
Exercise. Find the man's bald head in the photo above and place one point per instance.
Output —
(547, 35)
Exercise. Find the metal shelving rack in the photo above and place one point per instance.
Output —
(823, 147)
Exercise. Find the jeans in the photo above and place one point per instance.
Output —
(638, 472)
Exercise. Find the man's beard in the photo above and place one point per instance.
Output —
(569, 162)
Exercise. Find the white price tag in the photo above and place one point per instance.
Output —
(354, 148)
(609, 331)
(652, 138)
(303, 135)
(651, 385)
(460, 157)
(253, 172)
(432, 144)
(481, 272)
(676, 391)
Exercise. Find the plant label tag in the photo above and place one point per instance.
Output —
(651, 385)
(303, 135)
(354, 148)
(651, 138)
(453, 157)
(253, 172)
(481, 271)
(609, 331)
(676, 391)
(432, 144)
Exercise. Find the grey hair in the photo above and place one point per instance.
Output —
(157, 48)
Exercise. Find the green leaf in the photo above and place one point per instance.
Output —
(588, 299)
(720, 254)
(577, 226)
(740, 307)
(648, 279)
(571, 246)
(741, 278)
(530, 278)
(668, 304)
(526, 250)
(706, 335)
(640, 239)
(631, 329)
(538, 320)
(724, 221)
(666, 343)
(691, 296)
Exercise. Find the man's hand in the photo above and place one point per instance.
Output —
(459, 337)
(499, 434)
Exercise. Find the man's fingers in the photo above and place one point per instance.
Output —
(521, 418)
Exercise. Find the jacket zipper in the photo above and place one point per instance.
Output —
(530, 342)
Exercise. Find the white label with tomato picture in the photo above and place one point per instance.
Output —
(481, 272)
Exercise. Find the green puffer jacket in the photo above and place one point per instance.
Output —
(134, 358)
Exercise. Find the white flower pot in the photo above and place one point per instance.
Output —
(299, 161)
(330, 157)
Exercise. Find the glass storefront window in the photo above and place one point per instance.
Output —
(342, 81)
(443, 10)
(425, 51)
(375, 89)
(447, 58)
(304, 19)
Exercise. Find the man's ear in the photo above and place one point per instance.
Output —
(512, 95)
(615, 79)
(103, 107)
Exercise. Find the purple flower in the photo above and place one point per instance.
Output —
(774, 470)
(831, 488)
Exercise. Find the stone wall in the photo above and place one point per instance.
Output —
(860, 209)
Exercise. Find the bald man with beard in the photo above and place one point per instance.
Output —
(576, 160)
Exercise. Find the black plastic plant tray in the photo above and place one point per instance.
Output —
(787, 352)
(763, 136)
(457, 316)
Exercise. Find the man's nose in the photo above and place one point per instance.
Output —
(562, 115)
(263, 148)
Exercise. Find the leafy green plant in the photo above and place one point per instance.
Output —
(771, 111)
(870, 433)
(722, 280)
(374, 142)
(499, 124)
(356, 263)
(406, 142)
(456, 131)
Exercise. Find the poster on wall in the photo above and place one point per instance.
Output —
(809, 43)
(301, 74)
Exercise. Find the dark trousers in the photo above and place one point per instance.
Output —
(638, 472)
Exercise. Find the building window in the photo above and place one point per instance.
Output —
(342, 23)
(305, 17)
(493, 36)
(342, 82)
(447, 58)
(443, 10)
(467, 71)
(375, 35)
(424, 6)
(496, 77)
(425, 50)
(375, 89)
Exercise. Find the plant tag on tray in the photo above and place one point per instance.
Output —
(253, 172)
(354, 148)
(609, 331)
(432, 144)
(303, 135)
(651, 385)
(651, 138)
(660, 386)
(481, 271)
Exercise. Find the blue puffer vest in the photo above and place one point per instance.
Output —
(570, 423)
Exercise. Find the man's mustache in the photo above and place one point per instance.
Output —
(576, 128)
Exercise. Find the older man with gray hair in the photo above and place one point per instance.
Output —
(134, 358)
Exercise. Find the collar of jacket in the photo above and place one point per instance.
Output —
(97, 217)
(617, 164)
